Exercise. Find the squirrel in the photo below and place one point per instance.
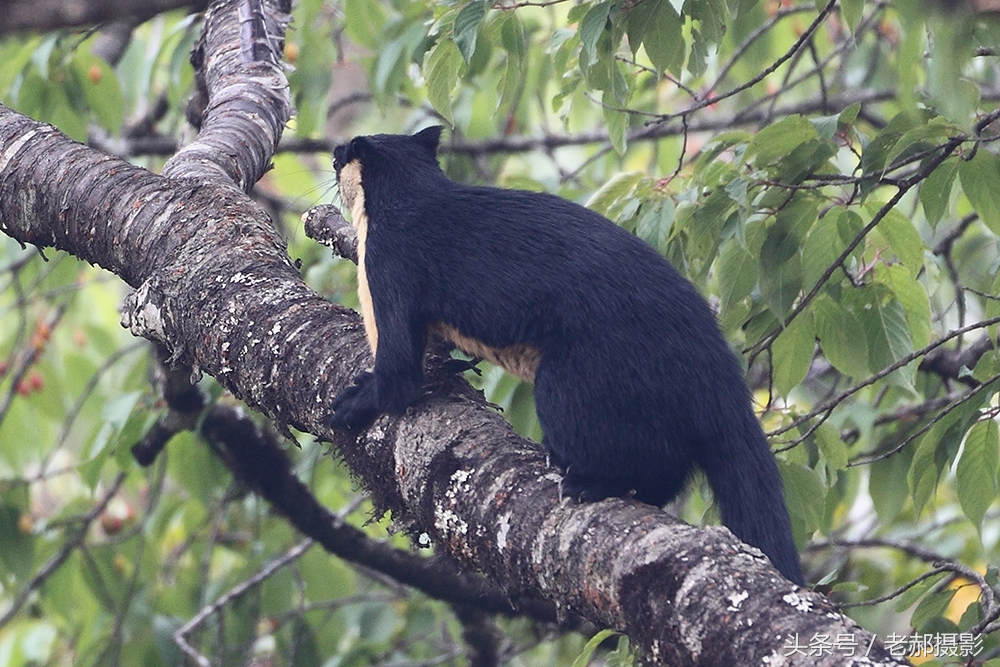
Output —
(634, 383)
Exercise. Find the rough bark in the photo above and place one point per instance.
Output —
(215, 286)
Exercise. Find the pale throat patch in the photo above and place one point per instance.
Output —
(353, 196)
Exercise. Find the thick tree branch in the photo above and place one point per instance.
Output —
(259, 461)
(18, 15)
(249, 102)
(215, 285)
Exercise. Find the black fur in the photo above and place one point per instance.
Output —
(635, 384)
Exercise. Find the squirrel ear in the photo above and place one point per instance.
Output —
(358, 147)
(429, 138)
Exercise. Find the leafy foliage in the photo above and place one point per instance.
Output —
(829, 188)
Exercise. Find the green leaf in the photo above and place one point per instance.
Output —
(976, 473)
(663, 37)
(622, 656)
(833, 447)
(637, 19)
(932, 607)
(938, 447)
(979, 177)
(993, 306)
(841, 337)
(135, 428)
(592, 26)
(910, 596)
(16, 57)
(821, 247)
(904, 240)
(466, 28)
(738, 270)
(616, 122)
(18, 553)
(587, 653)
(888, 485)
(851, 11)
(827, 126)
(42, 55)
(884, 322)
(577, 12)
(918, 139)
(780, 269)
(393, 57)
(849, 115)
(797, 216)
(711, 18)
(775, 141)
(875, 157)
(792, 354)
(513, 40)
(912, 296)
(911, 59)
(935, 190)
(925, 469)
(363, 21)
(804, 493)
(656, 219)
(951, 49)
(194, 466)
(700, 53)
(443, 64)
(780, 285)
(118, 410)
(607, 200)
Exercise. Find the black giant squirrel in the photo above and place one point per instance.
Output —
(634, 382)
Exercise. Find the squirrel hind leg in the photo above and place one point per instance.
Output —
(581, 484)
(583, 488)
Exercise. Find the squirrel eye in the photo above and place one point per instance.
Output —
(342, 156)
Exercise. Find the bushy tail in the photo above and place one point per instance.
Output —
(747, 487)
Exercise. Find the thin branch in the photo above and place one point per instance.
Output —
(926, 427)
(896, 593)
(180, 635)
(27, 358)
(827, 406)
(945, 151)
(794, 49)
(750, 39)
(943, 246)
(988, 597)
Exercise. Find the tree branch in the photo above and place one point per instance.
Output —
(18, 15)
(215, 285)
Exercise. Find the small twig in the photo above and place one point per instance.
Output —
(325, 224)
(943, 246)
(755, 35)
(26, 359)
(925, 428)
(829, 404)
(896, 593)
(708, 100)
(991, 610)
(180, 635)
(946, 150)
